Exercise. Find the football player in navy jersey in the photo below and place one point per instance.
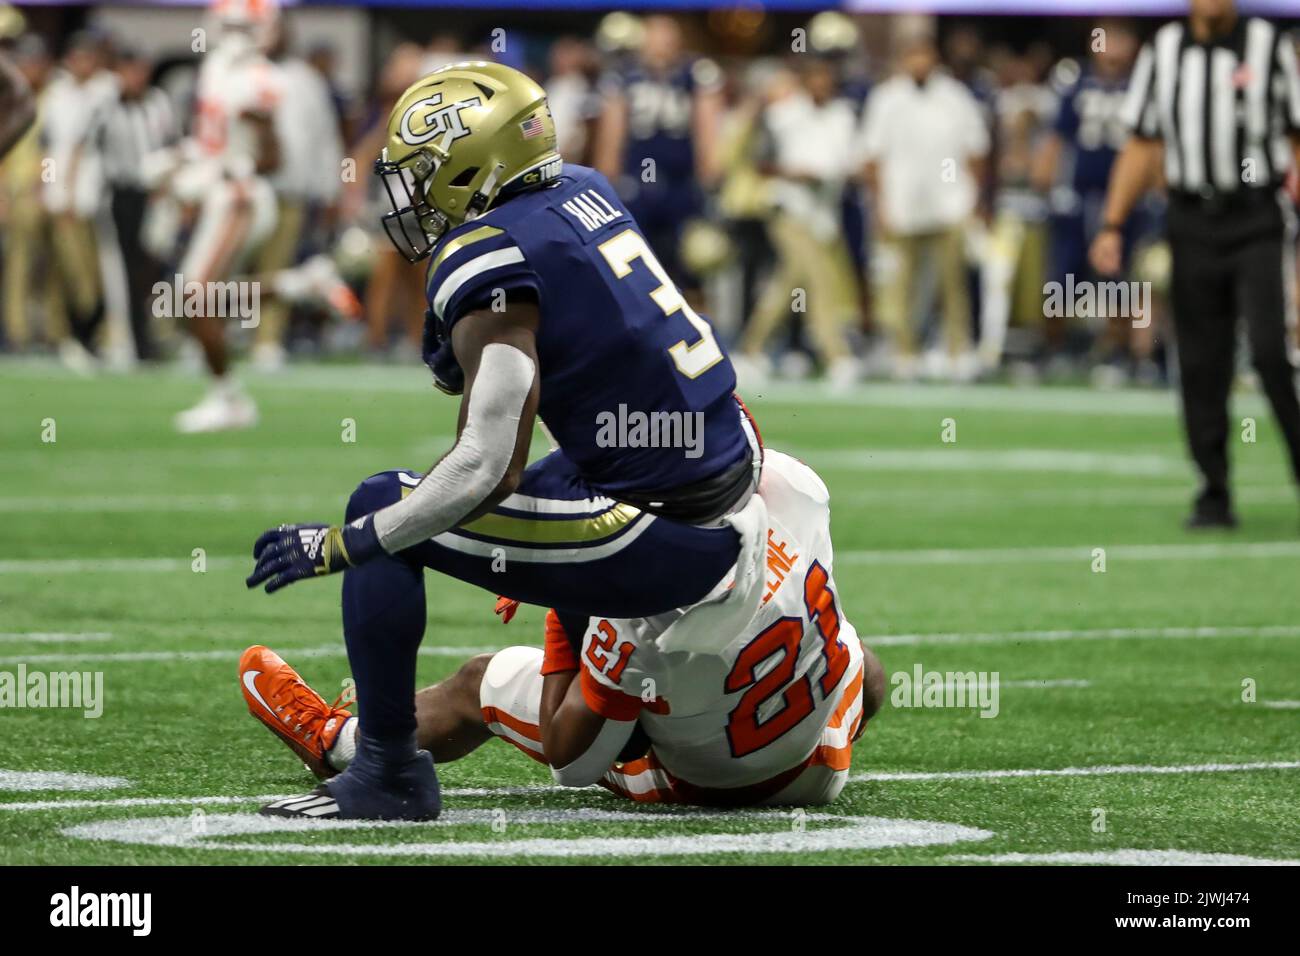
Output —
(545, 301)
(657, 138)
(1087, 134)
(1075, 160)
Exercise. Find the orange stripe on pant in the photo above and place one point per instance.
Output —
(494, 715)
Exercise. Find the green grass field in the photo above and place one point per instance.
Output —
(976, 555)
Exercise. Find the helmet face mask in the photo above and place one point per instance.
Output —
(459, 139)
(413, 226)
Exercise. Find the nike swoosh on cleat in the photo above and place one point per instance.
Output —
(249, 678)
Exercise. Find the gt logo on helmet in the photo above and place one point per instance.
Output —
(434, 122)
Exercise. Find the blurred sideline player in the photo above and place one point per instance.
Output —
(71, 105)
(26, 231)
(17, 105)
(808, 134)
(657, 138)
(223, 174)
(679, 714)
(1073, 166)
(545, 300)
(306, 185)
(1013, 258)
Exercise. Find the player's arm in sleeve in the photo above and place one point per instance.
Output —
(869, 152)
(261, 117)
(611, 129)
(268, 142)
(497, 352)
(583, 729)
(1047, 157)
(17, 105)
(706, 120)
(1137, 166)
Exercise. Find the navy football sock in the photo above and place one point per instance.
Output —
(383, 624)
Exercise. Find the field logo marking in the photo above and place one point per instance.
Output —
(820, 832)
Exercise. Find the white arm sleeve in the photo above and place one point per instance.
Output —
(598, 758)
(467, 475)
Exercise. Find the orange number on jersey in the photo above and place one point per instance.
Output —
(600, 648)
(745, 732)
(820, 602)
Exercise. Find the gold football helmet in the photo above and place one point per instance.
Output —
(460, 139)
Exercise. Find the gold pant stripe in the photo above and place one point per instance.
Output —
(560, 531)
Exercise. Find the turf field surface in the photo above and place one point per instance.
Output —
(1147, 712)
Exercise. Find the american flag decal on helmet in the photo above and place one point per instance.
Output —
(532, 126)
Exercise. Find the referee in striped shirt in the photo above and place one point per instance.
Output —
(1217, 96)
(140, 121)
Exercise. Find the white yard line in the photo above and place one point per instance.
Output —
(951, 399)
(1087, 634)
(951, 499)
(933, 499)
(1124, 858)
(53, 637)
(1081, 554)
(117, 565)
(1012, 460)
(28, 806)
(143, 657)
(896, 557)
(1100, 771)
(25, 780)
(1281, 704)
(130, 504)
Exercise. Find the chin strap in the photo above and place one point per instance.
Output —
(482, 198)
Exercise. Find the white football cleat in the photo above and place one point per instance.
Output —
(220, 410)
(268, 356)
(844, 374)
(77, 358)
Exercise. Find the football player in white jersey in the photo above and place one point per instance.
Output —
(753, 696)
(222, 177)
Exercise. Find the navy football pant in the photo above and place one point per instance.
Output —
(555, 543)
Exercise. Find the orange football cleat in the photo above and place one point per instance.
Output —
(278, 697)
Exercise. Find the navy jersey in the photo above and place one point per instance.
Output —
(660, 108)
(1090, 125)
(617, 343)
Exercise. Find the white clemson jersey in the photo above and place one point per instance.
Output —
(733, 704)
(233, 83)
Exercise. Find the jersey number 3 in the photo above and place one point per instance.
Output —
(691, 360)
(745, 732)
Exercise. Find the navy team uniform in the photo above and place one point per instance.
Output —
(659, 116)
(1089, 123)
(591, 530)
